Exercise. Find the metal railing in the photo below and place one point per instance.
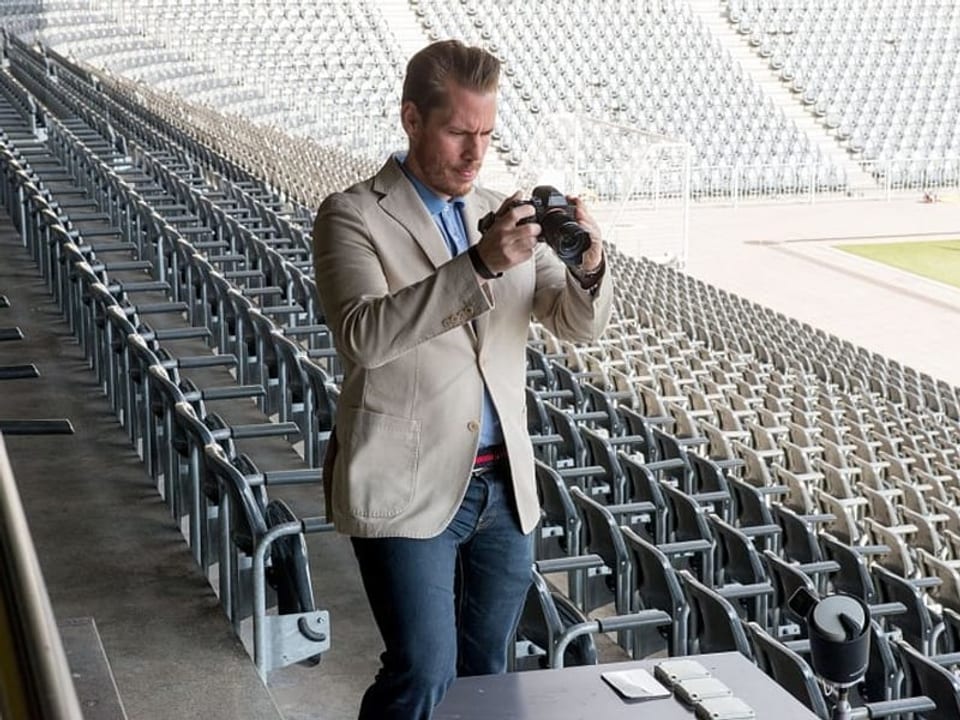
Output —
(933, 178)
(35, 681)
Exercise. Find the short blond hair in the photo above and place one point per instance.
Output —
(430, 69)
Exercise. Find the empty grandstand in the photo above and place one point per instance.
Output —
(763, 412)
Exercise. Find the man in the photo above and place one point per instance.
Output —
(431, 468)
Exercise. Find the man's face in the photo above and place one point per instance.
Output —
(447, 147)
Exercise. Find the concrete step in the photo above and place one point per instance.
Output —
(92, 676)
(714, 19)
(404, 24)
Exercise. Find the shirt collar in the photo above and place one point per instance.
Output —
(433, 202)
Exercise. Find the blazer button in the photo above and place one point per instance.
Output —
(473, 426)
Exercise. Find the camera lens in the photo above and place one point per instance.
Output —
(568, 240)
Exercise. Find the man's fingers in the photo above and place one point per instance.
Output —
(509, 203)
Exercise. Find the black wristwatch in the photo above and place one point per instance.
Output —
(480, 266)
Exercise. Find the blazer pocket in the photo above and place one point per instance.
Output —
(382, 464)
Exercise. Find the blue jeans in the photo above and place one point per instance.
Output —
(447, 605)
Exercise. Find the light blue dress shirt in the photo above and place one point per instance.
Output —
(448, 215)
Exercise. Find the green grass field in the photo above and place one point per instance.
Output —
(938, 260)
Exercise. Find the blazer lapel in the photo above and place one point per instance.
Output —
(401, 202)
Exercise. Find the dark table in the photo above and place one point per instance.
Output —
(579, 693)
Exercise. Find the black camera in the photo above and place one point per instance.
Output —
(556, 218)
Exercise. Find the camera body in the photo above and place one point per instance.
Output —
(556, 218)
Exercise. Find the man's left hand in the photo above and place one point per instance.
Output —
(593, 256)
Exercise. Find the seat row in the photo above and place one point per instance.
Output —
(115, 295)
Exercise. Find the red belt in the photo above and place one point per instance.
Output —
(490, 455)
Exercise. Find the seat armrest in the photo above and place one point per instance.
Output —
(633, 508)
(745, 591)
(565, 564)
(815, 568)
(752, 531)
(632, 620)
(889, 608)
(316, 524)
(926, 582)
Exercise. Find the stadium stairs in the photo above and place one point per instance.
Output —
(714, 19)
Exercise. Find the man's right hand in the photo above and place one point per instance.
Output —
(505, 243)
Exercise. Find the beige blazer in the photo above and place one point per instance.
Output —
(418, 335)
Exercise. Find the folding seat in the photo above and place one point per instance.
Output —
(571, 450)
(900, 559)
(685, 428)
(777, 407)
(602, 452)
(714, 625)
(539, 428)
(709, 485)
(643, 487)
(673, 388)
(927, 677)
(213, 306)
(540, 375)
(756, 468)
(800, 544)
(883, 504)
(688, 524)
(836, 480)
(652, 406)
(569, 382)
(638, 427)
(788, 578)
(603, 538)
(914, 498)
(853, 575)
(800, 461)
(917, 455)
(752, 510)
(874, 696)
(947, 592)
(730, 421)
(919, 625)
(604, 404)
(133, 348)
(282, 381)
(719, 448)
(766, 436)
(250, 527)
(671, 458)
(741, 574)
(835, 448)
(871, 473)
(657, 586)
(560, 524)
(950, 512)
(799, 496)
(170, 443)
(789, 670)
(548, 617)
(897, 466)
(846, 513)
